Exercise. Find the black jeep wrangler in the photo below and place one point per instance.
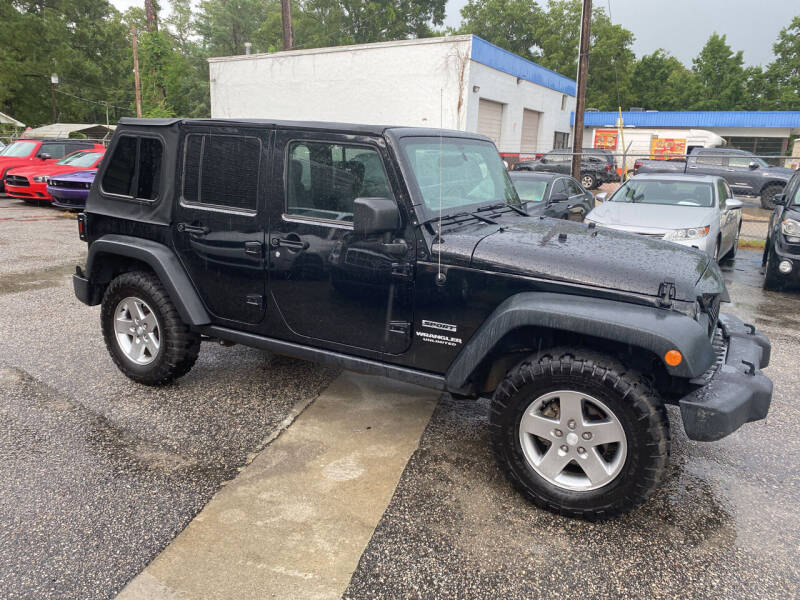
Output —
(405, 252)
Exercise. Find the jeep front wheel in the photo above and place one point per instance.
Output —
(579, 434)
(143, 332)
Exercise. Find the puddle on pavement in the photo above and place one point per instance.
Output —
(35, 280)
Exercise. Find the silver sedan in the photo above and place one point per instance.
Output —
(692, 210)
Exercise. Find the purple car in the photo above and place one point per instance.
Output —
(71, 190)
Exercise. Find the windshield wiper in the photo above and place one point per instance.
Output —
(454, 218)
(500, 205)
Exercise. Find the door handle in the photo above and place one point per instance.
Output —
(293, 243)
(252, 248)
(193, 229)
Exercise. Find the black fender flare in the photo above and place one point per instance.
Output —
(164, 262)
(654, 329)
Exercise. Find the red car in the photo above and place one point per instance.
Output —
(31, 152)
(30, 183)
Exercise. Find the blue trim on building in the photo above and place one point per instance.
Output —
(698, 119)
(495, 57)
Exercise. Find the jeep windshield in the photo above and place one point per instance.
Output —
(668, 192)
(457, 174)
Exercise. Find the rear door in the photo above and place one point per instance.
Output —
(740, 176)
(219, 223)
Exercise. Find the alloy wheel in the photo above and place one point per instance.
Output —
(573, 440)
(137, 330)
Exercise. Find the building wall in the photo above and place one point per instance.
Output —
(414, 83)
(517, 94)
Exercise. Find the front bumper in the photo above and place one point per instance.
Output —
(783, 251)
(733, 391)
(68, 197)
(37, 191)
(706, 244)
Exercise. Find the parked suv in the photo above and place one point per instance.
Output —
(37, 152)
(406, 253)
(781, 259)
(595, 168)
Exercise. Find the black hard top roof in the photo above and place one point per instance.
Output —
(396, 131)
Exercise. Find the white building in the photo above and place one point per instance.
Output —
(458, 82)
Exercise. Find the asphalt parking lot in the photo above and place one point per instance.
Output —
(98, 474)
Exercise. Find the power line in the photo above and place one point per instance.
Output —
(108, 104)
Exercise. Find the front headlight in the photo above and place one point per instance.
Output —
(40, 179)
(692, 233)
(791, 229)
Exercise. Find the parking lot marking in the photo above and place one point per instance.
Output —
(295, 522)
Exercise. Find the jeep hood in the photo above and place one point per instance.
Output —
(573, 252)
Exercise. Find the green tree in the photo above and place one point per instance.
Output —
(610, 56)
(662, 82)
(782, 76)
(511, 24)
(721, 75)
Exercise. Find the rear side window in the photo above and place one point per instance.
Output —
(54, 150)
(134, 169)
(706, 159)
(221, 170)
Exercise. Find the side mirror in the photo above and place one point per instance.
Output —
(602, 196)
(561, 197)
(44, 156)
(733, 204)
(779, 199)
(753, 165)
(375, 215)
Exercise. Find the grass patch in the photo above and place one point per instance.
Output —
(745, 244)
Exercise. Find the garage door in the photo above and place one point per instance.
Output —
(490, 119)
(530, 132)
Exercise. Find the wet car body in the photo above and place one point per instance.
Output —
(443, 280)
(71, 189)
(781, 258)
(30, 183)
(552, 195)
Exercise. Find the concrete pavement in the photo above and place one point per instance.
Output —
(294, 523)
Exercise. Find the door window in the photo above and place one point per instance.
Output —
(722, 193)
(559, 188)
(740, 162)
(221, 171)
(54, 150)
(573, 188)
(323, 179)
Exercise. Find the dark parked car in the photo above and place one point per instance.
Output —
(745, 173)
(781, 260)
(71, 189)
(595, 169)
(552, 195)
(581, 335)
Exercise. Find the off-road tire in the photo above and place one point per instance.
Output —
(179, 346)
(772, 279)
(627, 393)
(768, 194)
(589, 181)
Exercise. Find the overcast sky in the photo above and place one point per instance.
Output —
(681, 27)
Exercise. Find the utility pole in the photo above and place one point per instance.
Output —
(136, 83)
(286, 17)
(580, 107)
(53, 82)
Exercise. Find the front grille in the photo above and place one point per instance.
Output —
(70, 185)
(17, 180)
(720, 346)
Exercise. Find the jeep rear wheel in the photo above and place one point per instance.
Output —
(143, 332)
(579, 434)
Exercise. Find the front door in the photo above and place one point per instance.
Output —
(330, 285)
(219, 225)
(741, 177)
